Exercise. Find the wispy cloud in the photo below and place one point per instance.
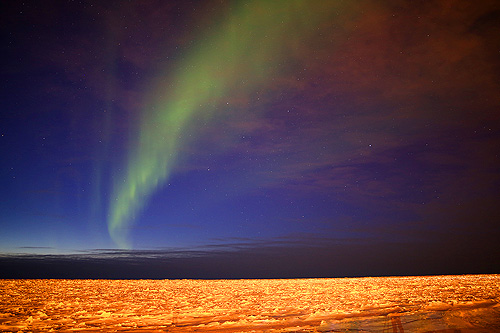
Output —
(304, 255)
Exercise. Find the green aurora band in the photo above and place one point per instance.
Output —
(242, 52)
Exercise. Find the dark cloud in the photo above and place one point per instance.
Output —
(307, 256)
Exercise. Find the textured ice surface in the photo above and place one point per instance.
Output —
(468, 303)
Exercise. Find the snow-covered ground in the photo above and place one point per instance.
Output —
(469, 303)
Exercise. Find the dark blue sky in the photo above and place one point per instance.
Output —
(217, 138)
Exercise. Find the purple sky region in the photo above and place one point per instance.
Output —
(243, 139)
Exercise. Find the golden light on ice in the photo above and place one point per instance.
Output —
(387, 304)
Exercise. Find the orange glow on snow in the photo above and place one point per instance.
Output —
(387, 304)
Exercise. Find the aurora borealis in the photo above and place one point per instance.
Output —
(243, 54)
(250, 138)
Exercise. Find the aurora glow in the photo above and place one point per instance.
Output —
(230, 138)
(242, 54)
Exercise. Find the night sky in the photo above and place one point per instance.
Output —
(228, 139)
